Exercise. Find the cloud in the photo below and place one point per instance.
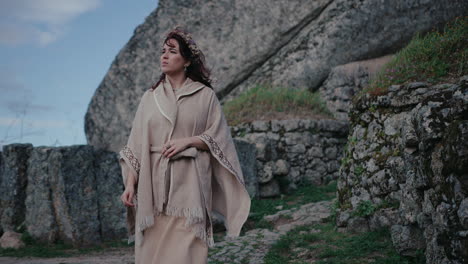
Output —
(39, 21)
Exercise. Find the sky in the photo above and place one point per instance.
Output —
(53, 56)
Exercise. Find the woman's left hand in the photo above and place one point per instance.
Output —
(174, 146)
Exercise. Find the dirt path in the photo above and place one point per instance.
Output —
(120, 256)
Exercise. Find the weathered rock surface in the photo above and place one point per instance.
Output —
(345, 81)
(407, 239)
(289, 43)
(62, 198)
(250, 248)
(109, 186)
(246, 153)
(407, 161)
(13, 181)
(312, 213)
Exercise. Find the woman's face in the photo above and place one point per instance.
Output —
(172, 61)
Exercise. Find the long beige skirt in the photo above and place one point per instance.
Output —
(168, 241)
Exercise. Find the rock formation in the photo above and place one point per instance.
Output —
(406, 167)
(290, 43)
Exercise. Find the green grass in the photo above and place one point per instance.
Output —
(265, 102)
(330, 246)
(306, 193)
(435, 57)
(59, 249)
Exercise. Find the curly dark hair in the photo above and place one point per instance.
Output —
(197, 70)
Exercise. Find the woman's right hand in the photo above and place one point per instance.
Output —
(127, 196)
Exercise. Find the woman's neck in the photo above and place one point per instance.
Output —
(176, 81)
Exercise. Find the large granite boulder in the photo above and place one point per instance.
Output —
(291, 43)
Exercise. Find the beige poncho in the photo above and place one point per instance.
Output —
(194, 182)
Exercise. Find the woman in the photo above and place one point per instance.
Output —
(180, 162)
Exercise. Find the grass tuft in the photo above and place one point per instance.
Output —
(435, 57)
(265, 102)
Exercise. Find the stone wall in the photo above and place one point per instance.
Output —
(406, 167)
(62, 193)
(72, 193)
(291, 151)
(13, 166)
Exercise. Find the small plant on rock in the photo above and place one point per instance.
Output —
(364, 209)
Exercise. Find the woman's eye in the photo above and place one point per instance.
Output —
(172, 51)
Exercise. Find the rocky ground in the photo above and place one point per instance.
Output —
(249, 248)
(254, 245)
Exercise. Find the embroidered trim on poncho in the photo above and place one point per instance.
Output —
(219, 153)
(131, 157)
